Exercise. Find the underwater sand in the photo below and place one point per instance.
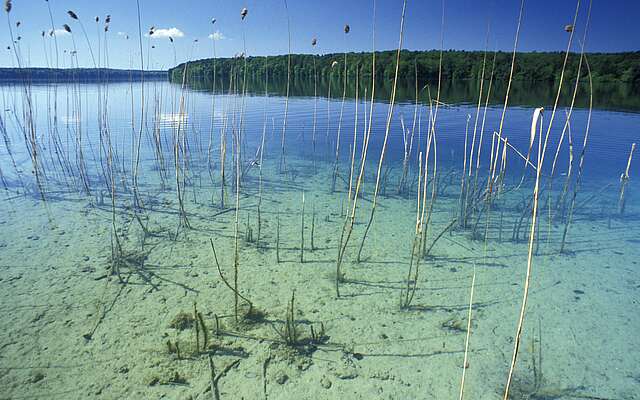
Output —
(71, 330)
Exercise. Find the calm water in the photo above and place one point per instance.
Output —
(109, 284)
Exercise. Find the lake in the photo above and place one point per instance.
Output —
(311, 247)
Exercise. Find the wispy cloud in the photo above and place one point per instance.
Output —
(217, 35)
(163, 33)
(60, 32)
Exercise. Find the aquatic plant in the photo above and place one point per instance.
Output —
(386, 134)
(624, 180)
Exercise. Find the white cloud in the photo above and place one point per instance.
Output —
(162, 33)
(60, 32)
(217, 35)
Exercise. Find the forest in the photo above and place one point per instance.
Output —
(423, 65)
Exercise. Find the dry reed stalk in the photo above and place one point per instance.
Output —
(234, 289)
(365, 146)
(302, 230)
(624, 180)
(414, 261)
(466, 341)
(542, 146)
(236, 248)
(286, 100)
(433, 115)
(355, 137)
(463, 178)
(315, 105)
(278, 236)
(532, 138)
(136, 194)
(182, 214)
(213, 107)
(560, 205)
(578, 182)
(386, 133)
(347, 227)
(260, 183)
(344, 96)
(475, 129)
(408, 147)
(534, 218)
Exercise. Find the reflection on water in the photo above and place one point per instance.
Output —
(606, 95)
(173, 120)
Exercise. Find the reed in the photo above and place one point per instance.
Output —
(313, 226)
(336, 163)
(386, 133)
(471, 193)
(302, 230)
(278, 237)
(463, 178)
(348, 224)
(578, 183)
(624, 180)
(290, 333)
(407, 295)
(465, 363)
(542, 146)
(408, 138)
(495, 151)
(314, 42)
(347, 227)
(213, 106)
(560, 205)
(431, 138)
(261, 161)
(136, 194)
(233, 288)
(283, 165)
(236, 244)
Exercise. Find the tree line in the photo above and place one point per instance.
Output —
(423, 65)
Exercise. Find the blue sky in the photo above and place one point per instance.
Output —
(614, 27)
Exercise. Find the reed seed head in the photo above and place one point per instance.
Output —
(7, 6)
(67, 28)
(108, 19)
(347, 28)
(213, 21)
(568, 28)
(334, 64)
(72, 14)
(170, 39)
(244, 13)
(97, 19)
(42, 33)
(314, 41)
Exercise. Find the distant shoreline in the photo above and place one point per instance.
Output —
(423, 65)
(39, 74)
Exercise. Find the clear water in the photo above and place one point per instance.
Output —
(98, 297)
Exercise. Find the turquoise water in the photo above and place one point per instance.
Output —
(109, 281)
